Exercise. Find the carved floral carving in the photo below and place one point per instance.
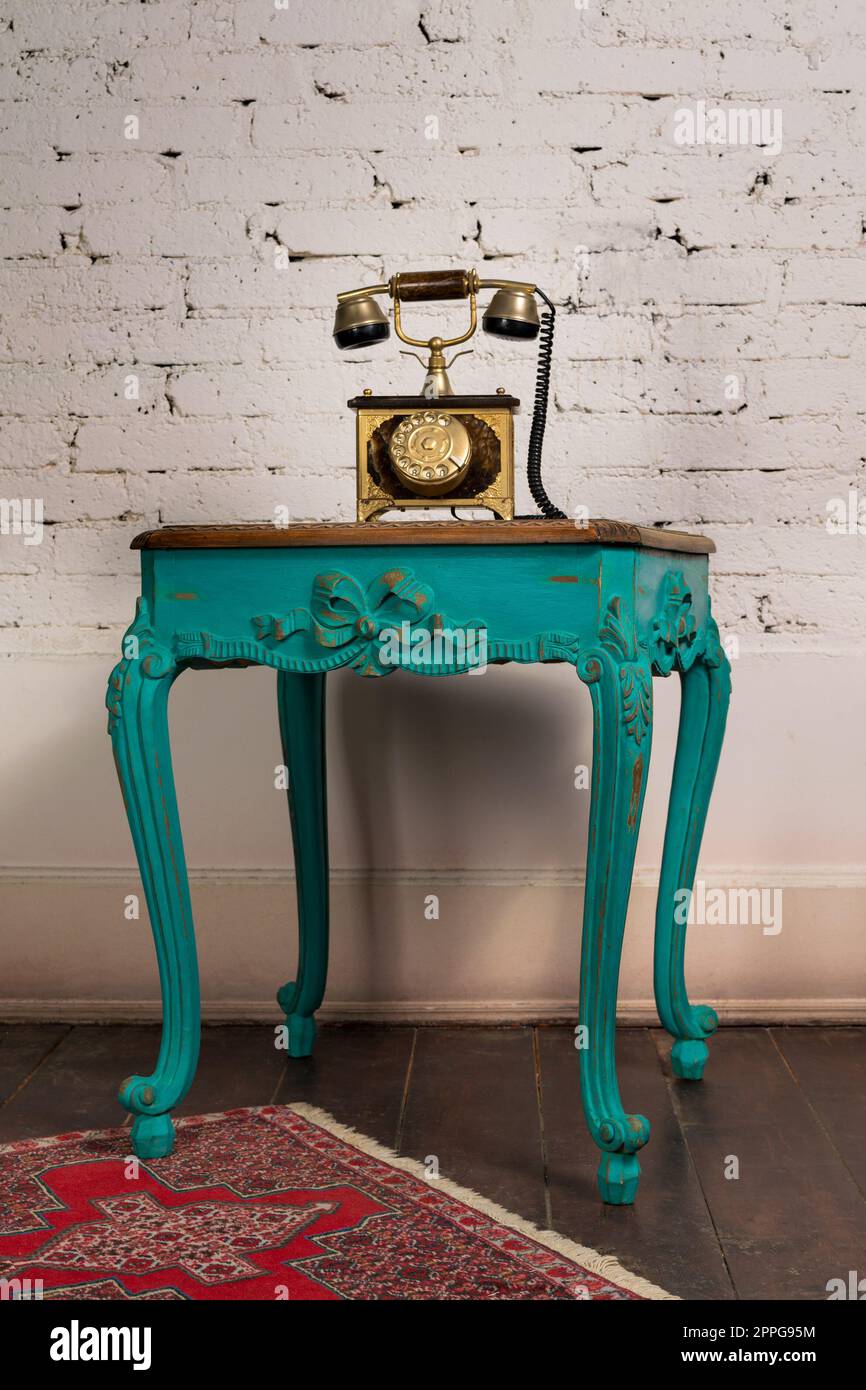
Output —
(142, 653)
(677, 641)
(618, 637)
(674, 628)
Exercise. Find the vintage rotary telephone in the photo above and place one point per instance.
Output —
(438, 449)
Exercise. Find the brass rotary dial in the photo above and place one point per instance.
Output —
(430, 452)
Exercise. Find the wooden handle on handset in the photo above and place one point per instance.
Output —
(431, 284)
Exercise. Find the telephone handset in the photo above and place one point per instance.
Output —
(438, 449)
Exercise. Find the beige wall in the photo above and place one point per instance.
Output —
(165, 356)
(481, 812)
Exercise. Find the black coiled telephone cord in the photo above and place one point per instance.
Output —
(539, 413)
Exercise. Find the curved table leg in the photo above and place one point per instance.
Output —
(622, 718)
(137, 701)
(301, 701)
(706, 690)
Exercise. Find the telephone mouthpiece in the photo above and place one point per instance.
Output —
(359, 322)
(511, 314)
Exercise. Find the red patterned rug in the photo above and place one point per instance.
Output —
(272, 1203)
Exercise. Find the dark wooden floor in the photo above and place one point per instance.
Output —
(499, 1108)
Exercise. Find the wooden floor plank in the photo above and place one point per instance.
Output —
(829, 1064)
(356, 1073)
(76, 1087)
(668, 1235)
(793, 1219)
(23, 1048)
(472, 1104)
(238, 1066)
(789, 1104)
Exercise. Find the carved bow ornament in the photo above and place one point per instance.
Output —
(359, 622)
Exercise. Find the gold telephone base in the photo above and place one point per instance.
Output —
(454, 451)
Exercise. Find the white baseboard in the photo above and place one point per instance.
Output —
(489, 1013)
(505, 947)
(646, 876)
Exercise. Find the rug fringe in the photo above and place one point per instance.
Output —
(607, 1266)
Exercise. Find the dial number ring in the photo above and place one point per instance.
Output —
(430, 452)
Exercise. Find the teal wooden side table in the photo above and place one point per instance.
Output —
(620, 603)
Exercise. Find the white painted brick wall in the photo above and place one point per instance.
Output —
(304, 128)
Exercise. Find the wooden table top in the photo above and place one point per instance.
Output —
(532, 531)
